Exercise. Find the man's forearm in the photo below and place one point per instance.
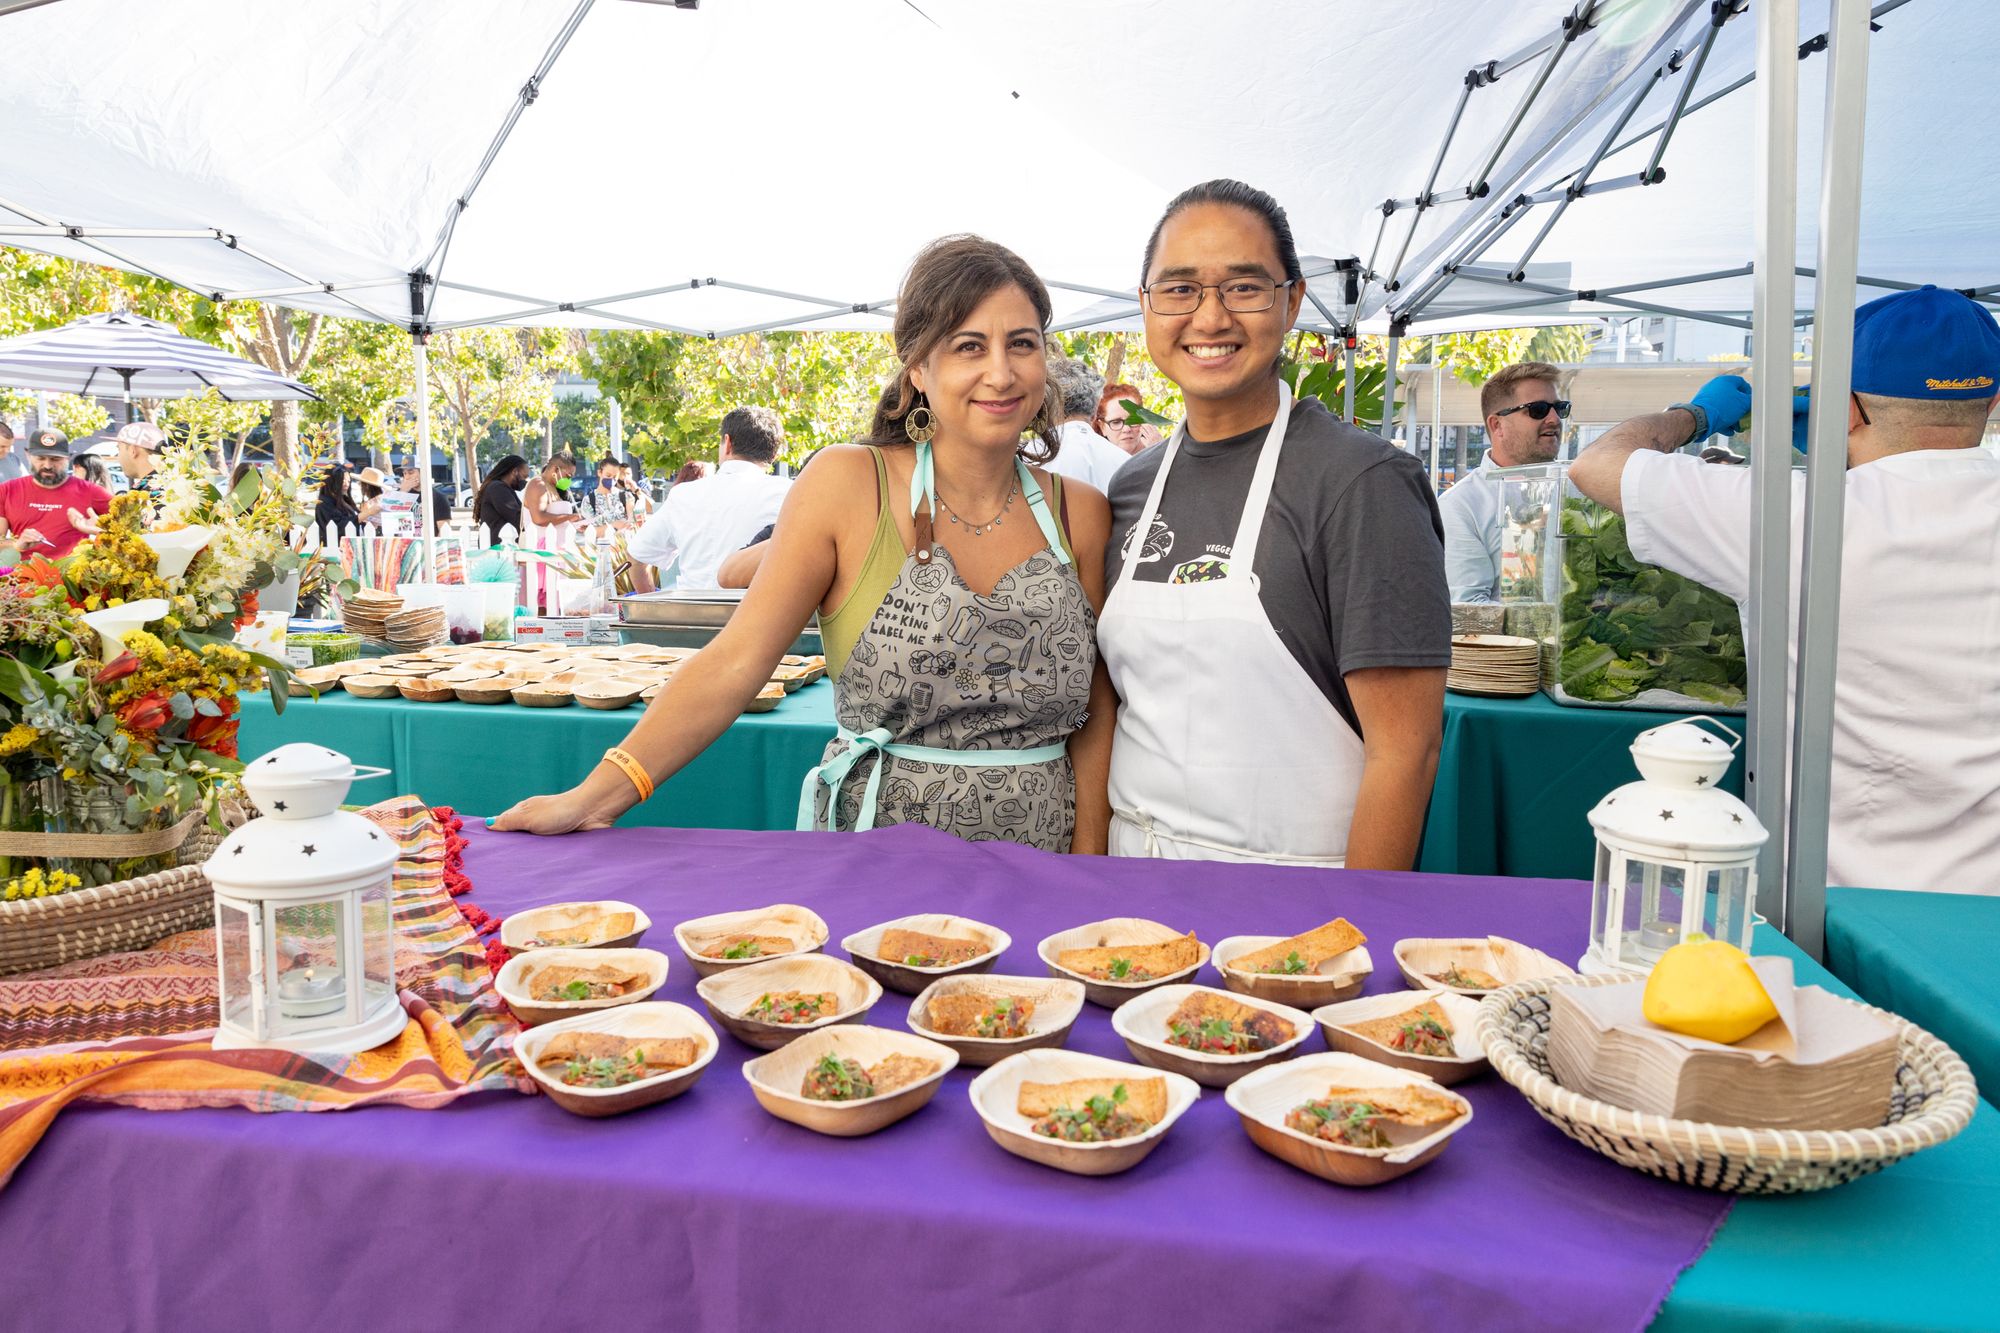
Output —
(1389, 808)
(1599, 470)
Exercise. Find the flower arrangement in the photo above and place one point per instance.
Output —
(119, 683)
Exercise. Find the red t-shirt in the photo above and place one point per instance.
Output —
(26, 503)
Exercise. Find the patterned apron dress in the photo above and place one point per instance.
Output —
(955, 709)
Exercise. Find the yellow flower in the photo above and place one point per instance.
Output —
(17, 738)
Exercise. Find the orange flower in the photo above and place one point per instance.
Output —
(118, 668)
(40, 571)
(215, 734)
(148, 712)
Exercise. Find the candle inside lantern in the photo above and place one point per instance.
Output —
(1660, 935)
(304, 993)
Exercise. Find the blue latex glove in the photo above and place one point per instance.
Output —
(1801, 410)
(1726, 399)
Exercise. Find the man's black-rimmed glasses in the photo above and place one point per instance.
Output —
(1539, 409)
(1242, 296)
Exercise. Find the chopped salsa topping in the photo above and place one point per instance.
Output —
(557, 941)
(1423, 1036)
(1005, 1019)
(579, 989)
(608, 1071)
(793, 1006)
(1468, 978)
(742, 949)
(1217, 1036)
(1100, 1120)
(1122, 969)
(835, 1078)
(1350, 1123)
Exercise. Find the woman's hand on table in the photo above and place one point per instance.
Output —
(577, 810)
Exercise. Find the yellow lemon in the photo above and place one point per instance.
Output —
(1706, 988)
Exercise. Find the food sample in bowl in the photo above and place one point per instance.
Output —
(749, 946)
(836, 1078)
(604, 981)
(583, 934)
(1422, 1030)
(1467, 978)
(1093, 1110)
(972, 1014)
(1359, 1117)
(1213, 1024)
(606, 1060)
(791, 1006)
(1301, 954)
(915, 948)
(1132, 962)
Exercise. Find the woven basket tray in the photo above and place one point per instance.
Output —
(113, 918)
(1934, 1099)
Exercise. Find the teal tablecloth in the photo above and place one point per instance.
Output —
(480, 759)
(1516, 781)
(1928, 957)
(1911, 1247)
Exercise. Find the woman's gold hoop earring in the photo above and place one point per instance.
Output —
(920, 431)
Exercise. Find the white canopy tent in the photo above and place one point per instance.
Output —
(758, 164)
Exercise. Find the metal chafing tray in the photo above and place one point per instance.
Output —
(674, 619)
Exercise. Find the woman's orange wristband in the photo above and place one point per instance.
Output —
(631, 768)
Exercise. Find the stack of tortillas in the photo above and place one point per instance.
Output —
(1494, 664)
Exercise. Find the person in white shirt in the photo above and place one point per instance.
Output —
(704, 521)
(1916, 770)
(1524, 424)
(12, 463)
(1085, 455)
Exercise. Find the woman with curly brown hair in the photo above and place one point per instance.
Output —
(957, 584)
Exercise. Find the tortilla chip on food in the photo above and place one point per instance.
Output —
(1315, 947)
(558, 975)
(958, 1015)
(899, 944)
(1159, 960)
(1383, 1031)
(1405, 1104)
(764, 945)
(665, 1052)
(1203, 1006)
(1145, 1098)
(900, 1071)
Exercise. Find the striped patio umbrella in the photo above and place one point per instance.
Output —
(138, 357)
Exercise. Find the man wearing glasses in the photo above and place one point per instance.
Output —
(1524, 424)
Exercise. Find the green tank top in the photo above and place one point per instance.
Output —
(841, 628)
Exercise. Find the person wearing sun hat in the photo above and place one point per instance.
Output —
(1916, 771)
(48, 511)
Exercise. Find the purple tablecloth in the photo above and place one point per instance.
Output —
(506, 1212)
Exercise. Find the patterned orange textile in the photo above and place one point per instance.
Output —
(134, 1028)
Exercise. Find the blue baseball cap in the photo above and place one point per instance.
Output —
(1927, 344)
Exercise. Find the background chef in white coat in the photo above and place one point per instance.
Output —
(705, 521)
(1276, 623)
(1916, 725)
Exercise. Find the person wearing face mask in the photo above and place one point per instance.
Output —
(1524, 424)
(548, 517)
(35, 510)
(956, 580)
(1276, 626)
(497, 502)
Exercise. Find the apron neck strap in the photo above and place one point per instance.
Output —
(923, 500)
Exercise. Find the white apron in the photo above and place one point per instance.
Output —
(1225, 750)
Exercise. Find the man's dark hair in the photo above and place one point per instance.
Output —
(609, 460)
(6, 431)
(755, 433)
(1239, 195)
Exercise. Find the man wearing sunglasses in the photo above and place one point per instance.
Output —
(1524, 424)
(1916, 773)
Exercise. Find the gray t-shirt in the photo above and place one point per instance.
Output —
(1351, 560)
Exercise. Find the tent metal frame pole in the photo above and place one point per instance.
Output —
(1423, 199)
(1718, 16)
(1387, 429)
(1768, 632)
(1347, 390)
(434, 262)
(790, 320)
(420, 370)
(1572, 27)
(56, 229)
(1582, 182)
(1826, 474)
(1489, 234)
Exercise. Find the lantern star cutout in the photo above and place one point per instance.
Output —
(238, 850)
(309, 849)
(1666, 814)
(1701, 781)
(279, 806)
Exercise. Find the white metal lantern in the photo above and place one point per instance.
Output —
(304, 922)
(1676, 854)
